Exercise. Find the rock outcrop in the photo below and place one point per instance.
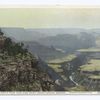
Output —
(19, 69)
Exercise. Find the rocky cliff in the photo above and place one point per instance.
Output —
(19, 70)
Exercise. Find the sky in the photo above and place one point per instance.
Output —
(50, 2)
(50, 17)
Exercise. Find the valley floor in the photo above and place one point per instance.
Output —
(80, 77)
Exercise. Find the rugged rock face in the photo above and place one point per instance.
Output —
(19, 70)
(18, 74)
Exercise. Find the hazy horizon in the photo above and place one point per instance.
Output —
(50, 17)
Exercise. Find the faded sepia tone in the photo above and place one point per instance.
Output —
(50, 49)
(50, 17)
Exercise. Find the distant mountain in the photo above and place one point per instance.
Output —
(56, 31)
(69, 42)
(44, 52)
(21, 34)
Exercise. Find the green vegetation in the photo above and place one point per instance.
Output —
(18, 68)
(16, 61)
(11, 48)
(56, 67)
(89, 50)
(77, 88)
(63, 59)
(94, 77)
(93, 65)
(14, 48)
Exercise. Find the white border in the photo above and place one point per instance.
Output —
(50, 3)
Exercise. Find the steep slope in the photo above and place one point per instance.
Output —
(23, 66)
(44, 52)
